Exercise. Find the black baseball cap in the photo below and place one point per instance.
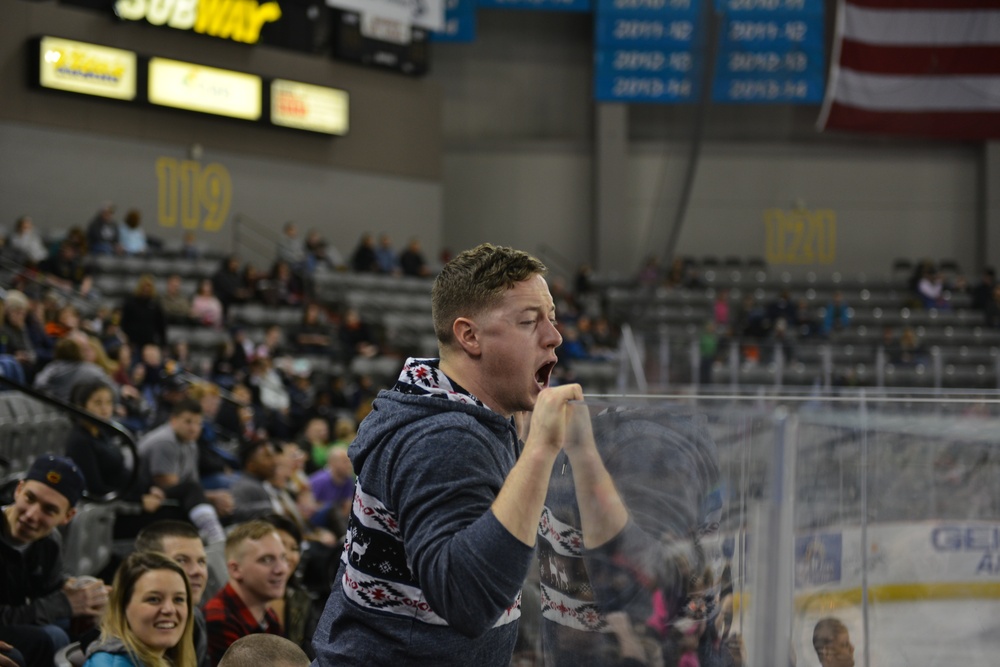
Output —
(59, 473)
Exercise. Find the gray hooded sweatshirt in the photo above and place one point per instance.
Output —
(429, 575)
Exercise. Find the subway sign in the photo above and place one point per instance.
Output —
(238, 20)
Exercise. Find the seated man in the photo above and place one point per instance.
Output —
(333, 486)
(180, 541)
(252, 495)
(258, 572)
(168, 459)
(36, 600)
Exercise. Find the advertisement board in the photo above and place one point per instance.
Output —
(305, 106)
(182, 85)
(89, 69)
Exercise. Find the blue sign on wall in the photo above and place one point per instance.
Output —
(770, 52)
(459, 22)
(552, 5)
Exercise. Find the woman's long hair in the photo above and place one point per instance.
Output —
(115, 623)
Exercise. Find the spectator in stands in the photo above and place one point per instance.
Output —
(708, 349)
(837, 316)
(280, 287)
(313, 336)
(217, 467)
(808, 323)
(364, 259)
(237, 415)
(720, 310)
(356, 336)
(206, 308)
(69, 368)
(143, 319)
(649, 274)
(291, 248)
(179, 540)
(782, 308)
(102, 232)
(273, 345)
(168, 459)
(27, 243)
(176, 305)
(131, 235)
(189, 246)
(833, 643)
(991, 314)
(97, 455)
(911, 351)
(271, 394)
(385, 256)
(258, 573)
(227, 283)
(316, 441)
(65, 322)
(930, 289)
(37, 600)
(253, 496)
(333, 486)
(320, 254)
(982, 293)
(150, 616)
(15, 338)
(65, 270)
(411, 260)
(296, 609)
(43, 345)
(677, 275)
(261, 649)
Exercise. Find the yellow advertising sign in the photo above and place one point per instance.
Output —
(238, 20)
(308, 107)
(87, 68)
(800, 236)
(191, 194)
(206, 89)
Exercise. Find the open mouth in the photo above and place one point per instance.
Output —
(165, 625)
(542, 374)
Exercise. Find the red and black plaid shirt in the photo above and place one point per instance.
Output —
(228, 619)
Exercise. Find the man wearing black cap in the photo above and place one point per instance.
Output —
(36, 599)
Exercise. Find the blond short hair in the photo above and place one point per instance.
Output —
(249, 530)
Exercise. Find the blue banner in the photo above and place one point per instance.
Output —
(802, 7)
(767, 90)
(459, 22)
(645, 88)
(778, 30)
(689, 8)
(611, 62)
(649, 31)
(551, 5)
(771, 62)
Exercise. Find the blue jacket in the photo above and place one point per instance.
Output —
(429, 576)
(109, 653)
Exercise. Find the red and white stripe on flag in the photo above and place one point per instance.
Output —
(921, 68)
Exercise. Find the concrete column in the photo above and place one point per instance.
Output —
(609, 249)
(989, 249)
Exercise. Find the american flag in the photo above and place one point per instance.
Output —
(921, 68)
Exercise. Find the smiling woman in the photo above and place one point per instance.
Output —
(148, 622)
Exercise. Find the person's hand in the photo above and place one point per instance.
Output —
(152, 500)
(551, 415)
(4, 660)
(90, 599)
(580, 432)
(736, 649)
(222, 500)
